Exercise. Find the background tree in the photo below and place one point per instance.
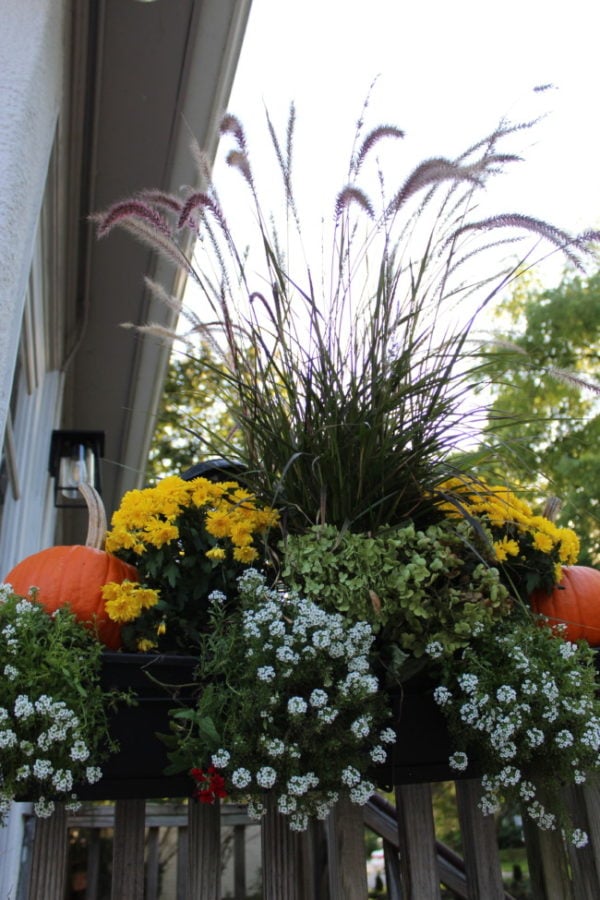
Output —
(191, 420)
(545, 411)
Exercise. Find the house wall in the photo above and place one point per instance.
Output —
(31, 82)
(31, 55)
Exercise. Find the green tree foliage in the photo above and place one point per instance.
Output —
(191, 420)
(545, 411)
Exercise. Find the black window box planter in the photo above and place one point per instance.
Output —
(137, 769)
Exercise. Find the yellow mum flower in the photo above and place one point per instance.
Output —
(158, 533)
(218, 523)
(543, 542)
(245, 554)
(568, 548)
(241, 534)
(215, 553)
(144, 645)
(505, 548)
(125, 601)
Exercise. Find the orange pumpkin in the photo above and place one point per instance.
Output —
(575, 602)
(74, 575)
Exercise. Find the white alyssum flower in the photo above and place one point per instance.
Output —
(42, 769)
(458, 760)
(350, 776)
(93, 774)
(442, 695)
(468, 682)
(579, 838)
(506, 694)
(266, 777)
(241, 778)
(434, 649)
(318, 698)
(361, 727)
(378, 754)
(43, 808)
(362, 792)
(265, 673)
(564, 738)
(8, 738)
(220, 759)
(79, 751)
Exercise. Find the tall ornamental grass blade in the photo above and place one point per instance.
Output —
(351, 384)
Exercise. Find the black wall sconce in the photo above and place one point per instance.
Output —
(74, 457)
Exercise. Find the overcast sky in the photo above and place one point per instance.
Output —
(447, 72)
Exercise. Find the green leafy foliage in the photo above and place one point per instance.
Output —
(53, 710)
(545, 399)
(523, 702)
(289, 703)
(192, 415)
(414, 586)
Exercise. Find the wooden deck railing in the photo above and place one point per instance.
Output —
(326, 863)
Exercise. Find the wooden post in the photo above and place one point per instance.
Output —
(128, 850)
(548, 864)
(280, 856)
(582, 802)
(346, 844)
(480, 843)
(416, 834)
(48, 873)
(204, 851)
(152, 865)
(239, 862)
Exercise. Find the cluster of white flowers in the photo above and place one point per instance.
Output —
(313, 718)
(523, 705)
(43, 743)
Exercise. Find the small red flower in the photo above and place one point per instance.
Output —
(210, 785)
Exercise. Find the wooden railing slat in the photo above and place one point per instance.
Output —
(480, 843)
(128, 850)
(152, 854)
(416, 835)
(280, 852)
(204, 851)
(548, 863)
(393, 878)
(239, 862)
(584, 861)
(48, 872)
(93, 866)
(346, 845)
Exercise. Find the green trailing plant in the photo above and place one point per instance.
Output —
(289, 705)
(522, 701)
(53, 709)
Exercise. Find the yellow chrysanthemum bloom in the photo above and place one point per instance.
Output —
(159, 533)
(542, 542)
(125, 601)
(218, 523)
(568, 548)
(245, 554)
(144, 645)
(216, 553)
(504, 548)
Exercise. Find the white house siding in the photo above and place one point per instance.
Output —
(31, 66)
(31, 63)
